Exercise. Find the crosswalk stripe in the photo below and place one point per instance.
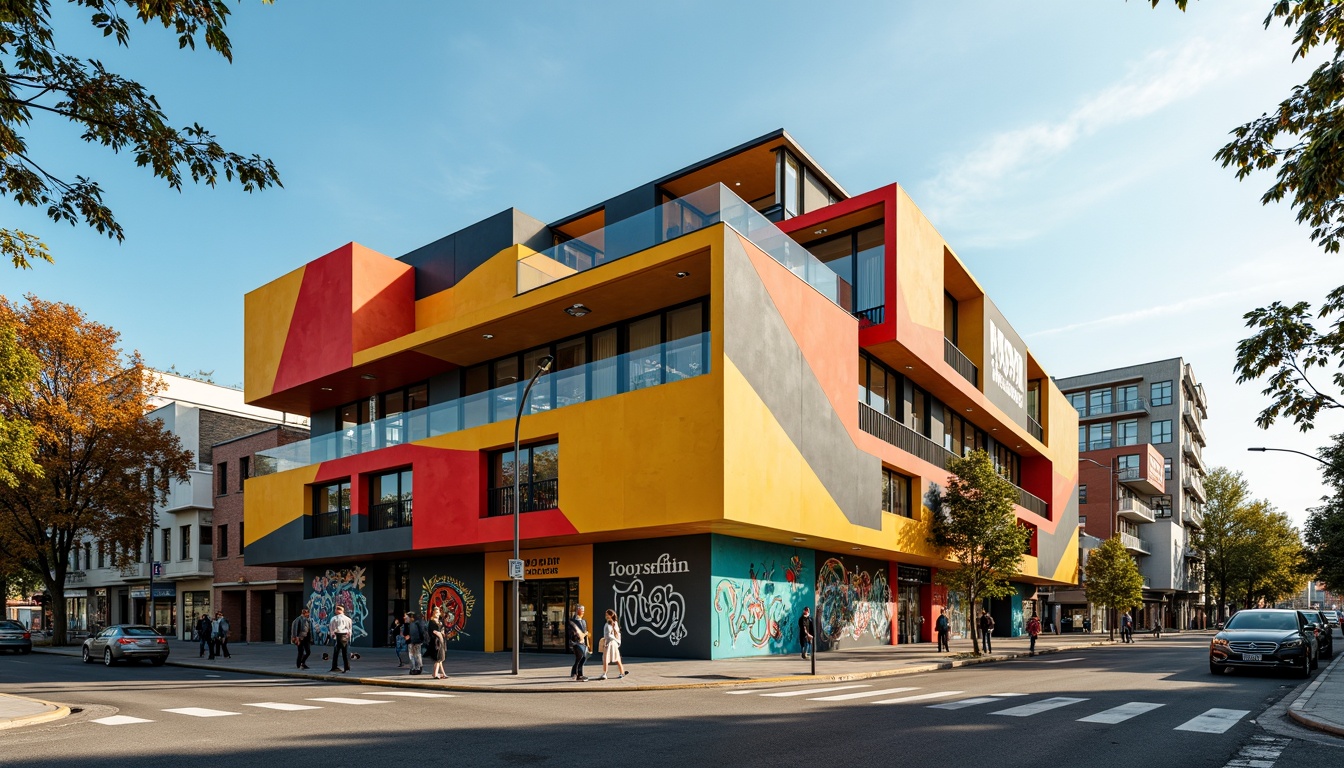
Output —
(1214, 721)
(816, 690)
(862, 694)
(412, 694)
(120, 720)
(1037, 707)
(920, 697)
(1061, 661)
(283, 707)
(963, 703)
(1121, 713)
(339, 700)
(743, 693)
(201, 712)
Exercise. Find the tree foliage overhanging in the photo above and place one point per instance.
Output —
(103, 464)
(975, 525)
(37, 79)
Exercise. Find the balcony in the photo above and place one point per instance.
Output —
(199, 566)
(389, 515)
(963, 365)
(1191, 482)
(1034, 427)
(885, 428)
(1133, 405)
(665, 363)
(1191, 450)
(870, 316)
(1192, 553)
(1134, 544)
(330, 523)
(1192, 515)
(537, 495)
(1193, 421)
(699, 210)
(1135, 510)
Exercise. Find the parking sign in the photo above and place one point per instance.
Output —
(516, 569)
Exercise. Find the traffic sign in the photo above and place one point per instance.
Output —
(158, 568)
(515, 569)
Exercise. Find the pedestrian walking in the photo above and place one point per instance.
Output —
(944, 629)
(986, 628)
(1126, 628)
(220, 633)
(301, 634)
(1033, 630)
(205, 630)
(610, 645)
(413, 629)
(397, 640)
(438, 646)
(1157, 628)
(339, 628)
(1087, 624)
(805, 639)
(576, 630)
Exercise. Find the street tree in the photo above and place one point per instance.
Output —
(1112, 579)
(104, 464)
(40, 81)
(1278, 568)
(18, 441)
(1225, 541)
(1324, 532)
(974, 524)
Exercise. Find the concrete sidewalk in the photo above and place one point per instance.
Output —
(18, 710)
(1321, 705)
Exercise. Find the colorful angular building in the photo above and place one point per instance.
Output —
(758, 380)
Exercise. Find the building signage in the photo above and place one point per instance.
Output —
(76, 593)
(1005, 359)
(160, 590)
(914, 574)
(540, 566)
(660, 590)
(1157, 469)
(515, 569)
(664, 564)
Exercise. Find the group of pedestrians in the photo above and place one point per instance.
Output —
(576, 630)
(424, 639)
(213, 635)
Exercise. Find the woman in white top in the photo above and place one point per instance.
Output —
(611, 645)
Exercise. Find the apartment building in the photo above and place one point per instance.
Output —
(756, 381)
(1141, 476)
(179, 549)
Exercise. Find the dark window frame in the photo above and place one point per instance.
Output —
(533, 491)
(223, 540)
(337, 522)
(222, 478)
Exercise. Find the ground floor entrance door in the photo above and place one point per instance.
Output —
(546, 606)
(908, 619)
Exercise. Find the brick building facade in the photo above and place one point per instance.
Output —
(259, 601)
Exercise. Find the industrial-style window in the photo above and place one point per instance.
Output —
(1162, 431)
(1161, 393)
(221, 478)
(223, 540)
(1079, 402)
(1126, 398)
(1127, 432)
(896, 494)
(539, 479)
(1082, 494)
(331, 509)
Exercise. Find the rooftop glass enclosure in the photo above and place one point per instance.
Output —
(701, 209)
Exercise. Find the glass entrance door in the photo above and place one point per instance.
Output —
(546, 605)
(907, 614)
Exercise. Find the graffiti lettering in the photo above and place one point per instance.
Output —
(751, 609)
(853, 603)
(659, 610)
(343, 587)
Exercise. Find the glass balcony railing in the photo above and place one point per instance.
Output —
(661, 364)
(698, 210)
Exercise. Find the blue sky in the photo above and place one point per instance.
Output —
(1063, 149)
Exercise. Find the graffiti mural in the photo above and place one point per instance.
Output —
(752, 612)
(853, 604)
(343, 587)
(453, 599)
(659, 610)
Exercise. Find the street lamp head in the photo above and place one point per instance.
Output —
(1258, 450)
(544, 364)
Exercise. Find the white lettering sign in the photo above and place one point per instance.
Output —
(664, 564)
(659, 610)
(1007, 367)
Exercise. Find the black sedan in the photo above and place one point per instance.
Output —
(1265, 638)
(126, 642)
(1325, 636)
(14, 637)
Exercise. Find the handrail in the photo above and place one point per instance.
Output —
(390, 514)
(954, 357)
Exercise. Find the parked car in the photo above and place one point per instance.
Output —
(126, 642)
(1265, 638)
(1325, 636)
(1334, 617)
(15, 637)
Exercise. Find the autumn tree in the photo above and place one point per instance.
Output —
(18, 369)
(104, 464)
(40, 81)
(974, 524)
(1112, 579)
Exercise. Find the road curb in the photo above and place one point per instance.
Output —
(57, 712)
(912, 669)
(1295, 709)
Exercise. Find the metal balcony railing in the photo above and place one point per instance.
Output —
(953, 357)
(390, 514)
(1133, 509)
(1134, 543)
(1034, 427)
(331, 523)
(536, 495)
(1192, 516)
(1114, 407)
(1192, 482)
(871, 316)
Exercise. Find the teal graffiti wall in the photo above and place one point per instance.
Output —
(757, 592)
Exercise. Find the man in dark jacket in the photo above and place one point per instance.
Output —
(986, 629)
(944, 628)
(577, 629)
(301, 630)
(204, 629)
(414, 632)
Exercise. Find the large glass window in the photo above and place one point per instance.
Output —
(1098, 436)
(858, 257)
(331, 509)
(791, 189)
(879, 387)
(896, 493)
(1127, 432)
(1161, 393)
(1162, 431)
(1127, 467)
(1079, 402)
(1082, 438)
(539, 479)
(1099, 401)
(390, 500)
(1127, 398)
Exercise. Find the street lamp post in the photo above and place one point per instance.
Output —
(543, 366)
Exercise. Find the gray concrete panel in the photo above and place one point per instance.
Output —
(287, 545)
(760, 344)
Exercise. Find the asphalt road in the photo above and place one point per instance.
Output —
(1141, 705)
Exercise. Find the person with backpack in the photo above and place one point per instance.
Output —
(944, 629)
(414, 631)
(1033, 630)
